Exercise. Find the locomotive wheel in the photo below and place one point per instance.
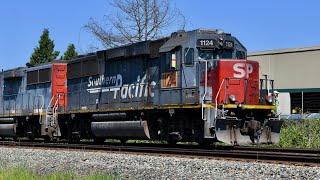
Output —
(172, 141)
(31, 136)
(173, 138)
(47, 139)
(74, 138)
(99, 140)
(123, 141)
(254, 137)
(205, 142)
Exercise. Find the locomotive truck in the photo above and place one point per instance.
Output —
(192, 86)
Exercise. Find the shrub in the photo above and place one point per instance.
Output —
(300, 134)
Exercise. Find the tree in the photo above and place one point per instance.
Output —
(134, 21)
(70, 53)
(45, 51)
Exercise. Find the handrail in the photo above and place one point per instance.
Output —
(55, 109)
(216, 99)
(50, 104)
(42, 106)
(205, 88)
(56, 105)
(47, 110)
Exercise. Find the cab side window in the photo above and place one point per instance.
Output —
(189, 56)
(240, 55)
(12, 86)
(173, 61)
(169, 77)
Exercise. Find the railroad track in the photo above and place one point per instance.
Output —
(301, 156)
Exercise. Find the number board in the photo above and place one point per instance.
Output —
(206, 43)
(228, 44)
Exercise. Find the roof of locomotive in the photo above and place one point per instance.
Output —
(12, 73)
(13, 69)
(150, 47)
(89, 56)
(20, 71)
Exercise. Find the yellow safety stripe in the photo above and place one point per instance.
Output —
(195, 106)
(249, 106)
(175, 106)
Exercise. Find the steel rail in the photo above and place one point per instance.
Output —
(260, 154)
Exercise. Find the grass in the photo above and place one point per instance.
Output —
(24, 174)
(300, 134)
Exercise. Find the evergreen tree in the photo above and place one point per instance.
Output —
(45, 51)
(70, 53)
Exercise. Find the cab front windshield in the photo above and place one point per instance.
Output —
(208, 54)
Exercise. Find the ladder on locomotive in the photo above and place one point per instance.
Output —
(52, 112)
(49, 120)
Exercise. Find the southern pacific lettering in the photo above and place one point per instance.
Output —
(191, 86)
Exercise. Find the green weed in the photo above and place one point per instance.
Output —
(300, 134)
(24, 174)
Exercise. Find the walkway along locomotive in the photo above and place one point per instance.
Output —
(191, 86)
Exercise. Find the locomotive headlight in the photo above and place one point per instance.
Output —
(269, 99)
(232, 98)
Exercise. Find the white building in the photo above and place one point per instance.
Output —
(296, 73)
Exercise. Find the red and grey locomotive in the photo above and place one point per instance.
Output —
(191, 86)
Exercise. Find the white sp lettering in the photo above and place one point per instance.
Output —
(242, 70)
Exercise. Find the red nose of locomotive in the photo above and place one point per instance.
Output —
(236, 82)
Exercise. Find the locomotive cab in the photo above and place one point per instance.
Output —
(243, 112)
(209, 68)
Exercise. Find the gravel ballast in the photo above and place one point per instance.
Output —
(135, 166)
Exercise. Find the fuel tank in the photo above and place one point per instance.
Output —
(7, 130)
(120, 129)
(6, 120)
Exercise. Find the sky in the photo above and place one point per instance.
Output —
(259, 25)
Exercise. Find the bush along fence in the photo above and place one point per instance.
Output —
(300, 134)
